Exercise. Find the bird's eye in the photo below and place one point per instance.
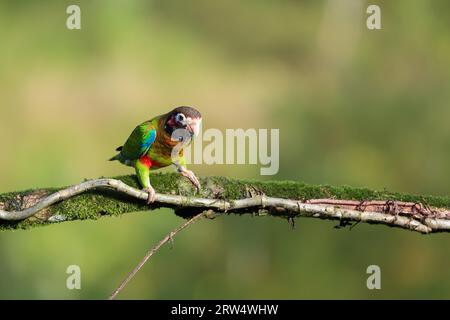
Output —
(180, 117)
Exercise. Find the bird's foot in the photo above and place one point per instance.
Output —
(191, 176)
(151, 194)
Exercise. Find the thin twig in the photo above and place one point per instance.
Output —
(151, 252)
(331, 209)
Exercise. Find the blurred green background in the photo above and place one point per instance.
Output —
(357, 107)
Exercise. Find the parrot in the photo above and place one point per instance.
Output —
(153, 145)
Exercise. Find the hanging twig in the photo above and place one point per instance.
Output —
(167, 238)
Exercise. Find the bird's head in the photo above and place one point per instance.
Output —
(186, 118)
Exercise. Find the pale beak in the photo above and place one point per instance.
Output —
(194, 127)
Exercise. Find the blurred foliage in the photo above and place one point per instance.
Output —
(359, 107)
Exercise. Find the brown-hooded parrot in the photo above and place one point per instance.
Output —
(155, 143)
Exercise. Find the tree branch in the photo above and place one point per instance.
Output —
(151, 252)
(94, 198)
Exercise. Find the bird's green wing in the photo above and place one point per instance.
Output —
(140, 141)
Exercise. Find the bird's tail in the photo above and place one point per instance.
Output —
(117, 156)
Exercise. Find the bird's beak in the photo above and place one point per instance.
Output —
(194, 127)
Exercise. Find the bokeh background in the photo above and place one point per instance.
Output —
(357, 107)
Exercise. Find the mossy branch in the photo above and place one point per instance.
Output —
(95, 198)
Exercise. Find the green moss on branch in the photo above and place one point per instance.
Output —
(94, 204)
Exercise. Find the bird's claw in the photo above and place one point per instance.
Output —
(151, 195)
(192, 178)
